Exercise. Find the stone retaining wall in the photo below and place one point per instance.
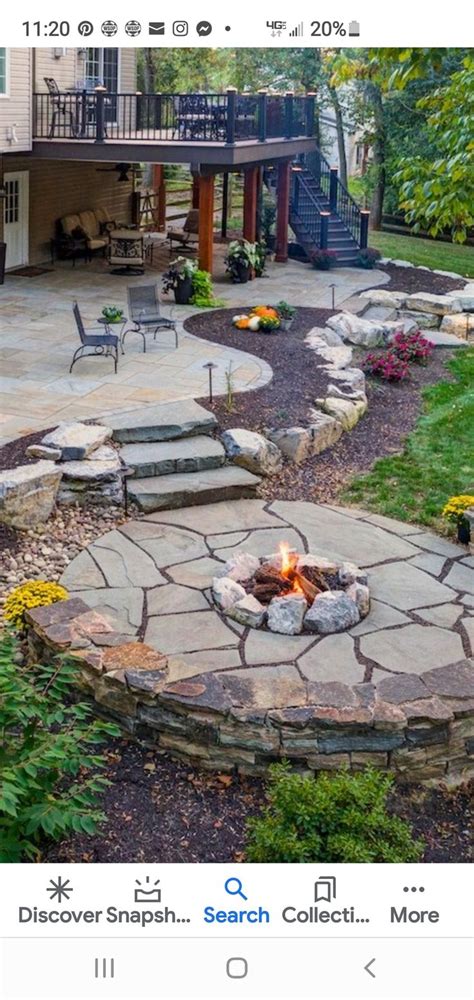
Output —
(420, 727)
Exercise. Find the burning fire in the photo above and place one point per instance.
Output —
(287, 561)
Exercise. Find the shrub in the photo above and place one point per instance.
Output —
(203, 292)
(323, 260)
(368, 258)
(388, 367)
(48, 745)
(339, 818)
(32, 594)
(413, 347)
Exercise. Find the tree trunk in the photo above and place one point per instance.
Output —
(341, 145)
(378, 154)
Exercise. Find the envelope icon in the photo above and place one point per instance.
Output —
(156, 28)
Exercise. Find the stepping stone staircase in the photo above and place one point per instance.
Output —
(175, 459)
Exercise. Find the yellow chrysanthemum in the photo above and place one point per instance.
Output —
(454, 509)
(32, 594)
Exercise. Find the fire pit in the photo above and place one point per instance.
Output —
(291, 593)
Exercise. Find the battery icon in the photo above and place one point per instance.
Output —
(354, 29)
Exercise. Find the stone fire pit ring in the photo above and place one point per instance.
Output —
(292, 593)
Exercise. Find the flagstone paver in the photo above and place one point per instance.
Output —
(37, 389)
(401, 677)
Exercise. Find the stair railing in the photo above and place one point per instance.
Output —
(303, 206)
(341, 203)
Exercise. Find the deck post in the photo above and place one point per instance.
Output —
(310, 113)
(333, 189)
(159, 187)
(289, 114)
(262, 116)
(324, 237)
(364, 229)
(195, 192)
(231, 113)
(283, 211)
(250, 203)
(100, 93)
(206, 221)
(225, 204)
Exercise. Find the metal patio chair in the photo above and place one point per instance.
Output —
(63, 106)
(102, 344)
(145, 314)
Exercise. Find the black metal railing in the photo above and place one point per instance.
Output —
(341, 203)
(230, 117)
(304, 211)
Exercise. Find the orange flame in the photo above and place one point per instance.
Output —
(286, 564)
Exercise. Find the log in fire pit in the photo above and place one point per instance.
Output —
(291, 593)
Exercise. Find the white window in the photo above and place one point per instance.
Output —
(3, 73)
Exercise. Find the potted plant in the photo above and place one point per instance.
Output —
(286, 314)
(260, 258)
(455, 511)
(323, 260)
(112, 314)
(179, 279)
(241, 258)
(368, 258)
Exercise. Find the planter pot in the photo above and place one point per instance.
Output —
(464, 532)
(285, 324)
(241, 273)
(183, 291)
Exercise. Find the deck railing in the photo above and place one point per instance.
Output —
(227, 118)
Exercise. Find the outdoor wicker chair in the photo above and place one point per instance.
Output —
(187, 237)
(101, 343)
(145, 314)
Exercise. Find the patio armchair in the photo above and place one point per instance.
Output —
(145, 314)
(62, 107)
(187, 237)
(101, 344)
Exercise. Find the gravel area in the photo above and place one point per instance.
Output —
(159, 810)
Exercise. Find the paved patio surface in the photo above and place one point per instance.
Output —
(422, 587)
(38, 338)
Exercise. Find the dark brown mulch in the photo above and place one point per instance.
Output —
(159, 810)
(414, 279)
(14, 453)
(298, 379)
(297, 375)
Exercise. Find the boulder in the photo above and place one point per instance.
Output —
(353, 377)
(465, 299)
(456, 324)
(360, 594)
(28, 494)
(226, 592)
(325, 431)
(384, 297)
(347, 411)
(76, 440)
(104, 464)
(325, 334)
(424, 321)
(42, 451)
(332, 611)
(286, 614)
(440, 305)
(248, 612)
(252, 451)
(363, 332)
(240, 567)
(337, 357)
(294, 442)
(349, 573)
(311, 561)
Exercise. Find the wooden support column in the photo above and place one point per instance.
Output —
(159, 186)
(283, 211)
(225, 204)
(206, 222)
(250, 203)
(195, 195)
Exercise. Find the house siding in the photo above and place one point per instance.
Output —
(59, 188)
(15, 108)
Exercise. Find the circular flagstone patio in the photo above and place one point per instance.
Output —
(396, 690)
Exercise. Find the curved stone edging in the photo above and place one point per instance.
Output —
(397, 691)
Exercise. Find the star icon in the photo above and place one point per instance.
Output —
(59, 888)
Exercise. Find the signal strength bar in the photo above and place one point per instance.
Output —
(298, 31)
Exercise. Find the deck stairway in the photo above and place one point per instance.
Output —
(174, 459)
(323, 215)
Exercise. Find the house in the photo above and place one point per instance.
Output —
(72, 119)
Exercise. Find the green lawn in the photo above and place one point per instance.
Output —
(438, 459)
(438, 256)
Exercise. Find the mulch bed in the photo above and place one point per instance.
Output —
(298, 378)
(414, 279)
(159, 810)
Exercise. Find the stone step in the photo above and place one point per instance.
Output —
(163, 458)
(163, 422)
(186, 489)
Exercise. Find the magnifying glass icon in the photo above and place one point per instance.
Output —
(234, 887)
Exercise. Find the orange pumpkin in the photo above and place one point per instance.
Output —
(264, 311)
(242, 324)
